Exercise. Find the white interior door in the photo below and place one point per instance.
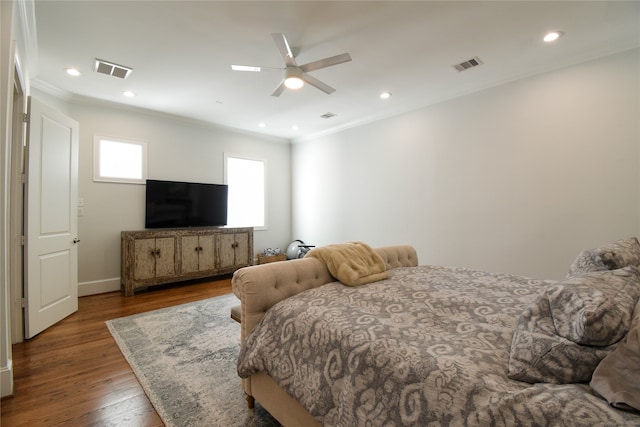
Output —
(51, 271)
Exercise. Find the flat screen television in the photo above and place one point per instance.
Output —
(172, 204)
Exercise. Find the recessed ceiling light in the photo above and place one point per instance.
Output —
(385, 95)
(295, 127)
(262, 125)
(73, 72)
(128, 94)
(552, 36)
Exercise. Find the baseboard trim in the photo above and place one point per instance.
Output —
(6, 379)
(98, 287)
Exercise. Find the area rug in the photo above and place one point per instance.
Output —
(185, 359)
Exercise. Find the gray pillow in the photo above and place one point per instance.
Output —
(620, 254)
(587, 261)
(595, 309)
(572, 325)
(616, 377)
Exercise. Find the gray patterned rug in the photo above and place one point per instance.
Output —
(185, 359)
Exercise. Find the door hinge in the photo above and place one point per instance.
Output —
(22, 240)
(23, 303)
(23, 178)
(25, 118)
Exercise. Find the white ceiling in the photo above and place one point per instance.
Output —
(181, 53)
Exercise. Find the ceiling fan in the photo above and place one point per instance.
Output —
(295, 76)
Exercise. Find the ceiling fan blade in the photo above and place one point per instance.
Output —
(281, 87)
(285, 50)
(318, 84)
(326, 62)
(254, 68)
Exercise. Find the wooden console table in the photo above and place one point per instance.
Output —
(159, 256)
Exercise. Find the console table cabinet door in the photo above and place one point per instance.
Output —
(235, 250)
(154, 258)
(144, 259)
(226, 243)
(166, 257)
(198, 253)
(207, 254)
(243, 251)
(189, 254)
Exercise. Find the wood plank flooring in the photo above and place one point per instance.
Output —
(73, 374)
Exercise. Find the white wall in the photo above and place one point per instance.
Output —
(177, 150)
(518, 178)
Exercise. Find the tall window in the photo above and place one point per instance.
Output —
(119, 160)
(247, 196)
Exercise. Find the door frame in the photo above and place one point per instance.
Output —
(16, 214)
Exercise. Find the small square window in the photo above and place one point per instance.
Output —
(119, 160)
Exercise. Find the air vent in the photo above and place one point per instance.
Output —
(327, 115)
(473, 62)
(111, 69)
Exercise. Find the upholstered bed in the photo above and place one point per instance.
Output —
(395, 343)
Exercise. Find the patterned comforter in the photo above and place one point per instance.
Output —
(427, 347)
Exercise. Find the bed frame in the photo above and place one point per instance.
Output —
(262, 286)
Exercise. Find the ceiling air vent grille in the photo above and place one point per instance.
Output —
(111, 69)
(473, 62)
(327, 115)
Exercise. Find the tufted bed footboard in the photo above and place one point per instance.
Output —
(262, 286)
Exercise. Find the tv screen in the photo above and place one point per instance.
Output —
(171, 204)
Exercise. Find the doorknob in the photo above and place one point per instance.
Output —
(76, 240)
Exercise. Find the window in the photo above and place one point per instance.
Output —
(119, 160)
(246, 180)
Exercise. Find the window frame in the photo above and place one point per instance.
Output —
(98, 177)
(264, 181)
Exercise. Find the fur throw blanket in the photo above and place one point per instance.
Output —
(353, 263)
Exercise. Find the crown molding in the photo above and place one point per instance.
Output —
(51, 90)
(29, 35)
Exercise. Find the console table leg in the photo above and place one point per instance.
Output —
(250, 402)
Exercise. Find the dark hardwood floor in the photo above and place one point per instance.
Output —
(73, 374)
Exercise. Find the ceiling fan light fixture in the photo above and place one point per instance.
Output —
(293, 82)
(293, 78)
